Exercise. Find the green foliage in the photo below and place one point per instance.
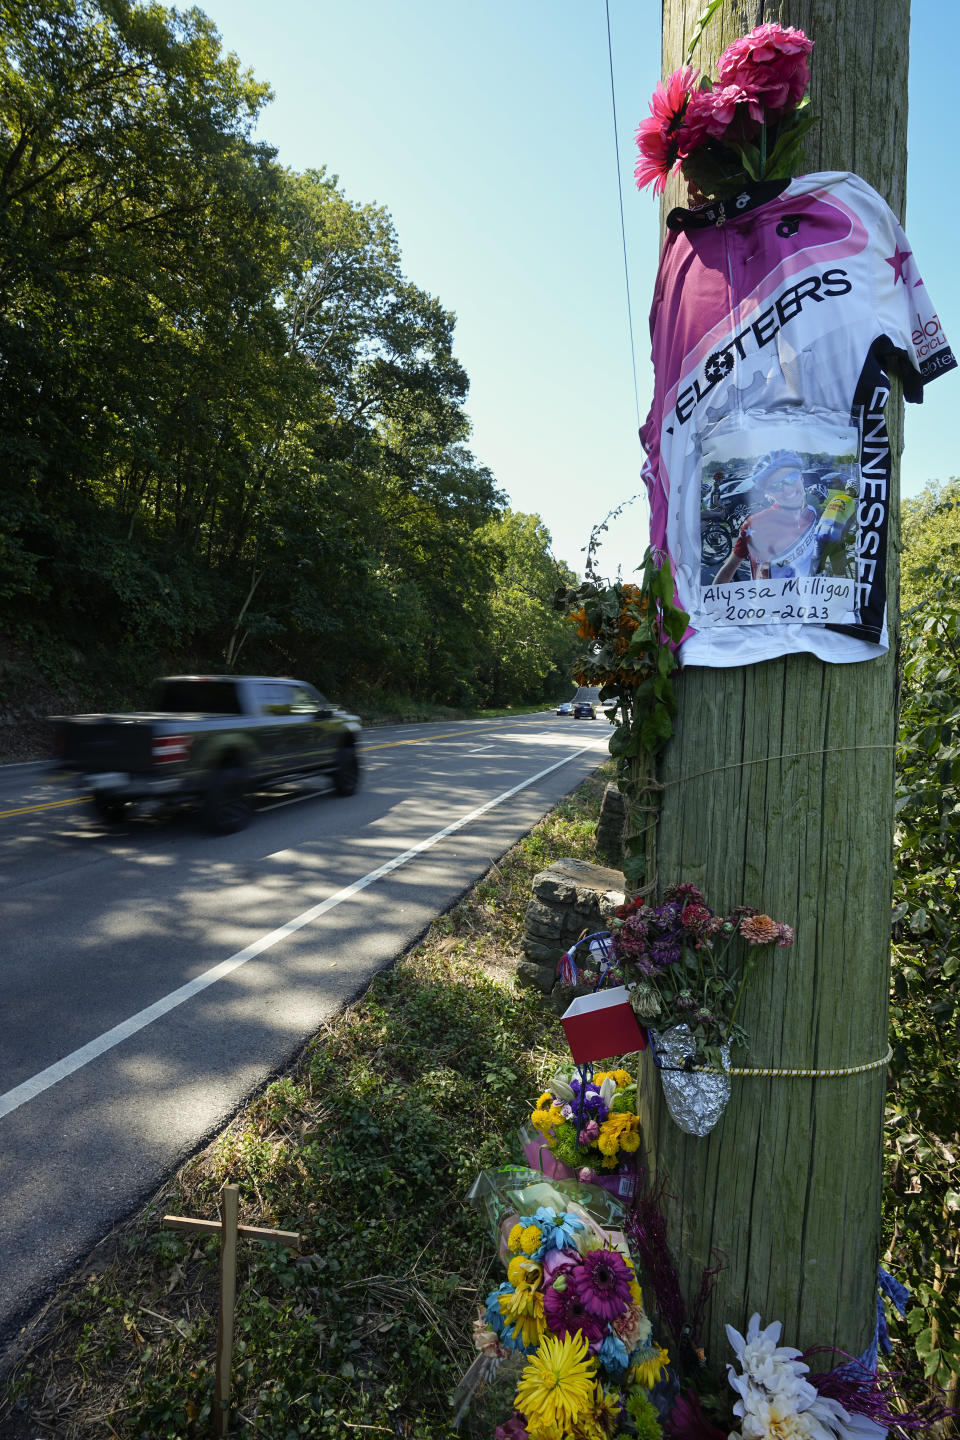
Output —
(923, 1189)
(631, 633)
(232, 428)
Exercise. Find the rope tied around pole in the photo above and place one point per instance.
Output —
(791, 1072)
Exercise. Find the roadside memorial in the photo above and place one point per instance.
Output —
(782, 306)
(228, 1231)
(785, 311)
(564, 1344)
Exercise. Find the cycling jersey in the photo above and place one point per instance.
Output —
(777, 319)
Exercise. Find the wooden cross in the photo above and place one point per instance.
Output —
(228, 1230)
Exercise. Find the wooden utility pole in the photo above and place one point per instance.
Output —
(778, 792)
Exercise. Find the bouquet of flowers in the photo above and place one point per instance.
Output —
(746, 125)
(685, 965)
(571, 1304)
(609, 1132)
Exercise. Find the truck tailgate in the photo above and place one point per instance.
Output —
(101, 742)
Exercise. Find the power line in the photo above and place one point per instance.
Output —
(623, 228)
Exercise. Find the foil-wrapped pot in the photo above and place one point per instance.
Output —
(695, 1098)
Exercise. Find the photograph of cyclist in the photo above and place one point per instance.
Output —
(779, 539)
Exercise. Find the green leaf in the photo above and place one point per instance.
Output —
(700, 26)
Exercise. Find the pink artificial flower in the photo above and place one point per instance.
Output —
(586, 1176)
(589, 1133)
(657, 137)
(733, 105)
(771, 64)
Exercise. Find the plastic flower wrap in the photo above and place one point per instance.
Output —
(610, 1129)
(746, 125)
(572, 1305)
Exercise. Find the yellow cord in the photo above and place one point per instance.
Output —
(808, 1074)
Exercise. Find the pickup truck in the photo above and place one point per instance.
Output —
(209, 741)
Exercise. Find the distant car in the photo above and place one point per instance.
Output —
(565, 707)
(584, 710)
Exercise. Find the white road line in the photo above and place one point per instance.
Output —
(77, 1059)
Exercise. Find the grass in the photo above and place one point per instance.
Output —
(367, 1147)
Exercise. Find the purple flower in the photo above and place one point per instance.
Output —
(603, 1283)
(515, 1429)
(685, 893)
(665, 952)
(594, 1104)
(688, 1422)
(566, 1312)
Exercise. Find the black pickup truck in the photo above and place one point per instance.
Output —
(209, 741)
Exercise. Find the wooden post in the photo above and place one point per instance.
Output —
(228, 1230)
(778, 792)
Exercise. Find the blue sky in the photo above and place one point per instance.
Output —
(486, 130)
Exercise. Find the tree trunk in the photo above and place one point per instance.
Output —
(778, 792)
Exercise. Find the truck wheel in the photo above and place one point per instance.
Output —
(346, 777)
(111, 811)
(227, 805)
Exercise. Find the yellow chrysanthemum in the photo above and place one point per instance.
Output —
(606, 1409)
(530, 1239)
(522, 1271)
(630, 1141)
(540, 1119)
(513, 1239)
(636, 1294)
(647, 1370)
(622, 1078)
(522, 1311)
(556, 1386)
(546, 1100)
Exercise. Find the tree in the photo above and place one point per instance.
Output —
(777, 791)
(529, 648)
(923, 1193)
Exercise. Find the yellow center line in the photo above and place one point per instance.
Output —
(47, 805)
(422, 739)
(383, 745)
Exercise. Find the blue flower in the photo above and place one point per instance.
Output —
(613, 1355)
(492, 1313)
(560, 1231)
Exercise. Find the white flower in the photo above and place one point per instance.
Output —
(608, 1089)
(776, 1402)
(560, 1088)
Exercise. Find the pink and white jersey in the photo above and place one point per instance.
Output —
(777, 319)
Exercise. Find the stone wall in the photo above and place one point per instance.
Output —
(610, 826)
(570, 898)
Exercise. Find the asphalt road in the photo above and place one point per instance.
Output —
(154, 976)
